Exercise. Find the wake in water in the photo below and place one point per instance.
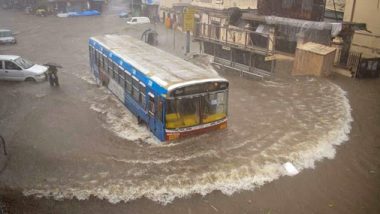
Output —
(116, 117)
(270, 124)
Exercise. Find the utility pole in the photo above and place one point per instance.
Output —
(336, 16)
(188, 25)
(187, 42)
(132, 8)
(173, 37)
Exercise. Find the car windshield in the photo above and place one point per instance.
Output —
(5, 33)
(25, 64)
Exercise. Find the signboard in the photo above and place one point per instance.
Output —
(188, 19)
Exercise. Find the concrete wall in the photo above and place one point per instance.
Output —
(365, 11)
(225, 4)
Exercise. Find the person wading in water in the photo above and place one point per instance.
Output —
(52, 74)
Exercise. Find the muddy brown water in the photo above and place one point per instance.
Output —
(78, 141)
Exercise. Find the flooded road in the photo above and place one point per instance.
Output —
(298, 122)
(79, 141)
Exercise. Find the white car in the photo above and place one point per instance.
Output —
(6, 37)
(19, 69)
(138, 20)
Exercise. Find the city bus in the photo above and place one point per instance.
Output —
(172, 96)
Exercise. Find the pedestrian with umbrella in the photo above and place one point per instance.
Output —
(52, 73)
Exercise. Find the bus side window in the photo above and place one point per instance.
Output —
(114, 71)
(97, 58)
(159, 109)
(121, 78)
(110, 68)
(151, 105)
(135, 89)
(128, 83)
(93, 53)
(105, 64)
(100, 60)
(142, 96)
(90, 52)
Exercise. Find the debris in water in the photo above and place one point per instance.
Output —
(290, 168)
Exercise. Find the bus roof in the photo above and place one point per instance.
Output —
(165, 69)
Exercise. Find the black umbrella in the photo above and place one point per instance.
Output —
(53, 64)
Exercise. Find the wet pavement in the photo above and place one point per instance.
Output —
(78, 141)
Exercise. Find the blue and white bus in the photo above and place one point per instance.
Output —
(175, 98)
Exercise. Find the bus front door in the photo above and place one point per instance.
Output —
(155, 114)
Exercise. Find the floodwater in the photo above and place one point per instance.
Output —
(270, 123)
(79, 141)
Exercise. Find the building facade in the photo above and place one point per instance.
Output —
(57, 6)
(225, 4)
(228, 38)
(312, 10)
(173, 10)
(149, 8)
(246, 35)
(368, 12)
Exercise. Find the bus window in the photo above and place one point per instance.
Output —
(159, 109)
(128, 83)
(100, 60)
(114, 71)
(90, 50)
(105, 64)
(135, 89)
(121, 78)
(142, 95)
(97, 58)
(183, 112)
(214, 107)
(110, 67)
(151, 105)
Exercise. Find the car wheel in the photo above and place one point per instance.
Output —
(30, 79)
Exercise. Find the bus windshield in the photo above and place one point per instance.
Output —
(191, 111)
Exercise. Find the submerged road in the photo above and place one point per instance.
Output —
(78, 141)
